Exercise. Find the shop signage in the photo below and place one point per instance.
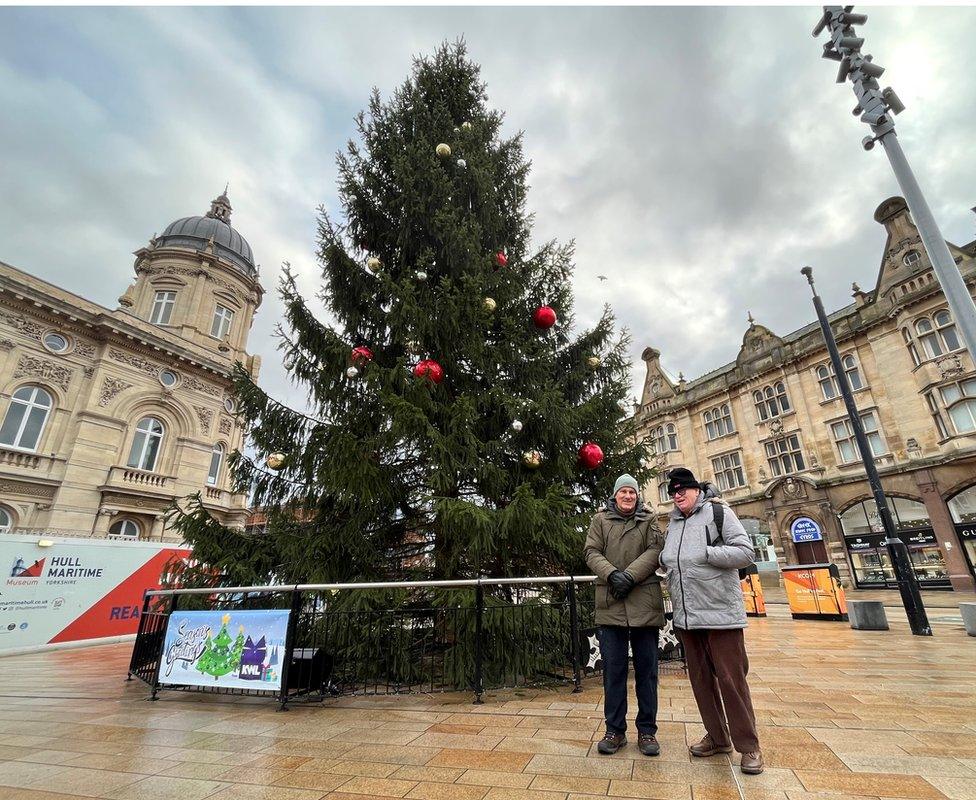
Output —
(868, 541)
(966, 531)
(917, 537)
(804, 529)
(225, 649)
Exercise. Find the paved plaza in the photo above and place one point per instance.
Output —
(844, 714)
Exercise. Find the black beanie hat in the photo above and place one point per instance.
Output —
(681, 478)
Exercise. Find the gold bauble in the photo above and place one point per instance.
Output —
(489, 304)
(465, 126)
(532, 459)
(593, 362)
(443, 150)
(373, 264)
(275, 460)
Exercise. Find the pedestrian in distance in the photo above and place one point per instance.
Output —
(705, 547)
(622, 548)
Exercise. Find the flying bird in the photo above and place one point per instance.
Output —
(602, 277)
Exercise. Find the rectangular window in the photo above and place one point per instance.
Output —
(937, 416)
(843, 434)
(221, 322)
(784, 456)
(728, 471)
(162, 308)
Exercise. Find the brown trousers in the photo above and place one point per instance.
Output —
(717, 668)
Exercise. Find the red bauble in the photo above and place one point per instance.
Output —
(544, 317)
(501, 259)
(430, 369)
(591, 455)
(361, 355)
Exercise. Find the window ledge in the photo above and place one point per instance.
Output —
(723, 436)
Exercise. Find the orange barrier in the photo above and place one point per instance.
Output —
(752, 594)
(814, 592)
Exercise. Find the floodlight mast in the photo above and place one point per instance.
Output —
(876, 107)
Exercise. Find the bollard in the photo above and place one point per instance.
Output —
(867, 615)
(968, 611)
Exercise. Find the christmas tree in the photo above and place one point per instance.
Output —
(458, 427)
(219, 657)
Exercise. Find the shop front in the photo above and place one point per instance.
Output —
(962, 507)
(865, 542)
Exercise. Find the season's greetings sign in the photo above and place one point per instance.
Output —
(225, 649)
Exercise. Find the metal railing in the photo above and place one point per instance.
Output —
(421, 636)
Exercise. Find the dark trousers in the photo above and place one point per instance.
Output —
(717, 668)
(613, 651)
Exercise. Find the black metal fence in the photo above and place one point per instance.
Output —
(431, 636)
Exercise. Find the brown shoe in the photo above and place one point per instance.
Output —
(611, 743)
(752, 763)
(648, 744)
(706, 747)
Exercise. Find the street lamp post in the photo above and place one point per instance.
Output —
(875, 107)
(897, 550)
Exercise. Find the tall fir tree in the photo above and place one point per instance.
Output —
(393, 473)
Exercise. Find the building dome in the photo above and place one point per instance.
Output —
(196, 233)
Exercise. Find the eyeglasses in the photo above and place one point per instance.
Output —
(676, 492)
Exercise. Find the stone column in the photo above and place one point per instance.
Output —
(945, 531)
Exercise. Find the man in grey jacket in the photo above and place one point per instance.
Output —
(709, 616)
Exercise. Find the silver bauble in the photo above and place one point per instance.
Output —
(516, 425)
(465, 126)
(352, 372)
(275, 460)
(462, 163)
(373, 264)
(421, 276)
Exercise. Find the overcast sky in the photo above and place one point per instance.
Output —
(699, 157)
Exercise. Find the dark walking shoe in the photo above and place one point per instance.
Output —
(611, 743)
(706, 747)
(752, 763)
(648, 744)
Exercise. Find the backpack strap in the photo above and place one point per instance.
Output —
(718, 517)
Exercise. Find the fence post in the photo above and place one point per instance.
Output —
(574, 636)
(479, 655)
(139, 632)
(296, 607)
(162, 646)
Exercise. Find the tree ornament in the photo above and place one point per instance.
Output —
(544, 317)
(501, 259)
(465, 126)
(275, 461)
(594, 361)
(430, 369)
(457, 129)
(462, 163)
(413, 347)
(443, 150)
(590, 455)
(516, 425)
(532, 459)
(373, 264)
(352, 372)
(489, 304)
(422, 276)
(361, 355)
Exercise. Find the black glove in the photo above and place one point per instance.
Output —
(620, 584)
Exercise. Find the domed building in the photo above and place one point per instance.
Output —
(109, 415)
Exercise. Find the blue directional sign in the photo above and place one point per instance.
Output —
(804, 529)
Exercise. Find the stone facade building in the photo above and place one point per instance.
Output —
(107, 416)
(770, 428)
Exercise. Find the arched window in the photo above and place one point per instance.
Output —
(931, 345)
(771, 401)
(146, 444)
(947, 331)
(864, 518)
(125, 529)
(962, 507)
(718, 421)
(216, 459)
(853, 373)
(911, 257)
(910, 344)
(671, 434)
(662, 492)
(664, 438)
(6, 523)
(960, 401)
(828, 386)
(26, 415)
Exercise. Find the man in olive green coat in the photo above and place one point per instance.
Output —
(622, 548)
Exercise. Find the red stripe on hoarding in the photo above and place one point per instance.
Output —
(117, 612)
